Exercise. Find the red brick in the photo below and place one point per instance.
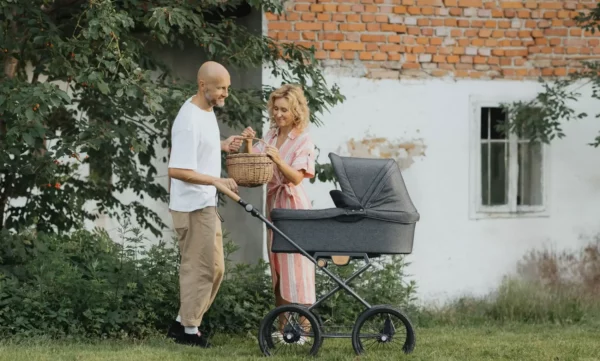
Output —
(353, 18)
(372, 38)
(365, 56)
(380, 57)
(321, 55)
(317, 8)
(308, 26)
(373, 28)
(280, 26)
(430, 3)
(353, 27)
(339, 17)
(470, 3)
(351, 46)
(511, 4)
(335, 55)
(393, 57)
(330, 27)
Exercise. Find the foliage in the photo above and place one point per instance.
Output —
(541, 119)
(86, 285)
(85, 90)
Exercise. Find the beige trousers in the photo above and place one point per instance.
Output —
(202, 262)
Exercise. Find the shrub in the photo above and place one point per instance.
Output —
(87, 285)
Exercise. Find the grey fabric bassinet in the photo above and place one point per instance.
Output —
(374, 213)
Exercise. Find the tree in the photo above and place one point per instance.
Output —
(80, 89)
(541, 118)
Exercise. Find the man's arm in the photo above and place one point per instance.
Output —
(191, 176)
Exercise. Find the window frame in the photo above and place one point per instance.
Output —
(511, 210)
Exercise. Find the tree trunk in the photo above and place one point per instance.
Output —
(10, 69)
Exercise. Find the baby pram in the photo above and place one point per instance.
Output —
(374, 215)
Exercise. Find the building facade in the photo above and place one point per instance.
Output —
(424, 81)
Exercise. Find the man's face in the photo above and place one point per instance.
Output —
(216, 90)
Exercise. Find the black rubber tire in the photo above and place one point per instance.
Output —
(267, 321)
(409, 342)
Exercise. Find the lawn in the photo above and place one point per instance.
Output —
(551, 343)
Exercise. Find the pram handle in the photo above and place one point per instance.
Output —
(228, 192)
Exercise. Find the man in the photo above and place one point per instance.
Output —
(194, 169)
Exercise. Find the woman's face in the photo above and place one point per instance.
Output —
(282, 113)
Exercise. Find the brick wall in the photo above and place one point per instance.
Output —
(423, 38)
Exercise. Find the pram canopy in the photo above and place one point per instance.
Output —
(375, 186)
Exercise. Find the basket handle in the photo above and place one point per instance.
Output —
(249, 143)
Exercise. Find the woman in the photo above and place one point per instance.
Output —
(290, 147)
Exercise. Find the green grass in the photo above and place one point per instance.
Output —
(516, 342)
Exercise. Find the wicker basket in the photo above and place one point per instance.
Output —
(250, 169)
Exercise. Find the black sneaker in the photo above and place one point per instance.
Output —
(176, 330)
(193, 340)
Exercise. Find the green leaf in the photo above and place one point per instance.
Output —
(103, 87)
(29, 114)
(29, 139)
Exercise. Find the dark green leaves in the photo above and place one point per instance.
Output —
(101, 97)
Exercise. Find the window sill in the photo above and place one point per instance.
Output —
(491, 214)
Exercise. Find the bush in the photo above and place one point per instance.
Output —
(87, 285)
(549, 287)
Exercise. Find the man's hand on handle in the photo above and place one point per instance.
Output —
(228, 187)
(227, 183)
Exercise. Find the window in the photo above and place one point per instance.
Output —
(508, 173)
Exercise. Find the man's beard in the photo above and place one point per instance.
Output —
(214, 101)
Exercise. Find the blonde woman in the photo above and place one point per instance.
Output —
(290, 147)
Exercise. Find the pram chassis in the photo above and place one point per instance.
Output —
(342, 284)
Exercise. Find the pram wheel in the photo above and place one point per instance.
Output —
(289, 329)
(383, 327)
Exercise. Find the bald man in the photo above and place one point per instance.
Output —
(194, 169)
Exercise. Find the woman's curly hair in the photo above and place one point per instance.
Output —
(298, 105)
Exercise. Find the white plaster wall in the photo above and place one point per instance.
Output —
(454, 255)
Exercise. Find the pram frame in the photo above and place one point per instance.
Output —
(342, 284)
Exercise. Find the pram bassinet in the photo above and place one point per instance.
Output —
(374, 213)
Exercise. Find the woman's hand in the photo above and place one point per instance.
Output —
(274, 154)
(249, 133)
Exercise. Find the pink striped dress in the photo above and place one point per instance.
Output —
(294, 272)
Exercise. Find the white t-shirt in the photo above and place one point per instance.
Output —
(196, 145)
